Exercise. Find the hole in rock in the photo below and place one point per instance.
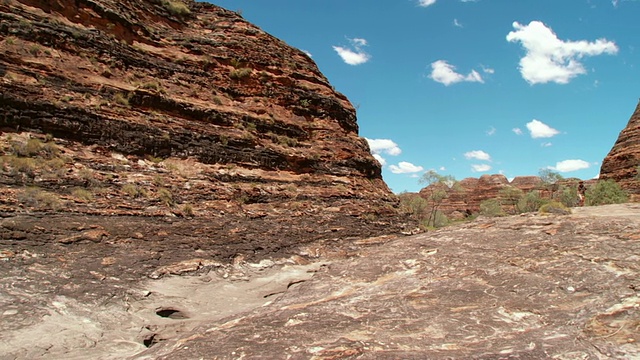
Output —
(171, 313)
(150, 340)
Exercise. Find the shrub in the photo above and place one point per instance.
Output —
(29, 149)
(530, 202)
(165, 197)
(86, 175)
(187, 210)
(134, 190)
(35, 197)
(555, 207)
(121, 99)
(606, 192)
(439, 220)
(83, 194)
(568, 196)
(510, 196)
(241, 73)
(151, 85)
(491, 207)
(176, 7)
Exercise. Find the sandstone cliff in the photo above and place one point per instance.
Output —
(621, 164)
(470, 192)
(465, 198)
(163, 108)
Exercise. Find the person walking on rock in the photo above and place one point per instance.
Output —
(581, 193)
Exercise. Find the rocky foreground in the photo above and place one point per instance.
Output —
(526, 287)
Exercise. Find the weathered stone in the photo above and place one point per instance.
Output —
(621, 164)
(532, 286)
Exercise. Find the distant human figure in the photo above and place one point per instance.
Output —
(581, 193)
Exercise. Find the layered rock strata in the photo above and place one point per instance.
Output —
(181, 110)
(622, 162)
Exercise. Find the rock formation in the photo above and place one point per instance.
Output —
(621, 164)
(465, 198)
(181, 110)
(470, 192)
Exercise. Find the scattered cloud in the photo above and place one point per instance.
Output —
(442, 168)
(480, 167)
(404, 167)
(549, 59)
(491, 131)
(457, 23)
(570, 165)
(444, 73)
(538, 129)
(354, 55)
(547, 144)
(517, 131)
(478, 155)
(487, 70)
(383, 146)
(425, 3)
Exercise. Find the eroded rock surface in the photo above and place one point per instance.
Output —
(528, 287)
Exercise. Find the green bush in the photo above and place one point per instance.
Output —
(491, 207)
(606, 192)
(555, 207)
(530, 202)
(568, 196)
(439, 220)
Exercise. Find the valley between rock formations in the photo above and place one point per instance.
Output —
(525, 287)
(177, 184)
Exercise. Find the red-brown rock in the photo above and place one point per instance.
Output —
(621, 164)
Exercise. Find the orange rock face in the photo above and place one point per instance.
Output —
(621, 164)
(250, 118)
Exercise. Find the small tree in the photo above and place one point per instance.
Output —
(550, 180)
(437, 190)
(606, 192)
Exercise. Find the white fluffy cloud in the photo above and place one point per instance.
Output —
(538, 129)
(570, 165)
(383, 146)
(425, 3)
(404, 167)
(445, 73)
(517, 131)
(549, 59)
(354, 55)
(386, 146)
(478, 155)
(457, 23)
(480, 167)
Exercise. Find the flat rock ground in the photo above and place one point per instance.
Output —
(522, 287)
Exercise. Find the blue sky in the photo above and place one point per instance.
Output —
(468, 87)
